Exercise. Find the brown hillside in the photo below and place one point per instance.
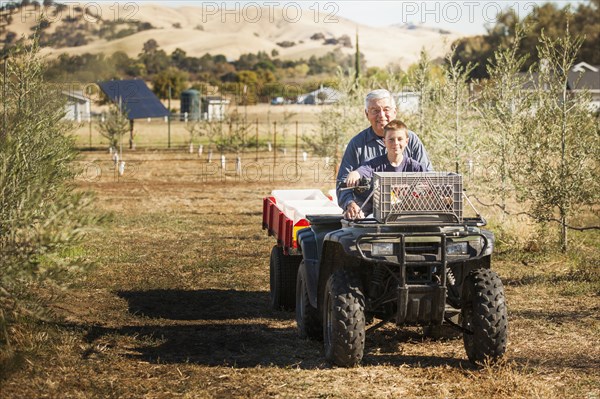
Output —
(250, 31)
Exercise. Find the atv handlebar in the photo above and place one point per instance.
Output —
(364, 184)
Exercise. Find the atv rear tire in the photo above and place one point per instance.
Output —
(343, 319)
(282, 277)
(484, 314)
(307, 317)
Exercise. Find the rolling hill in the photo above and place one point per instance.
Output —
(198, 30)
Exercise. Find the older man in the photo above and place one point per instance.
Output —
(380, 108)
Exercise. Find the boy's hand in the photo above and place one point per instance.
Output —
(352, 179)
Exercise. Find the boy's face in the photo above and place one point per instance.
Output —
(396, 141)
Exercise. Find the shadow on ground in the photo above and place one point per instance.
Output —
(235, 328)
(200, 305)
(559, 317)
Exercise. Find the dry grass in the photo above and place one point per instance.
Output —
(178, 307)
(154, 132)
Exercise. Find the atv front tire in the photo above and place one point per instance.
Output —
(484, 316)
(343, 319)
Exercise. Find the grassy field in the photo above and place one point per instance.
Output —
(178, 305)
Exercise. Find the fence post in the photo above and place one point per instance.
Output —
(274, 145)
(256, 140)
(296, 166)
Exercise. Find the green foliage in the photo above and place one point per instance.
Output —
(547, 18)
(171, 78)
(41, 216)
(330, 62)
(154, 59)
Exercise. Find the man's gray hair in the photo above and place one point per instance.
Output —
(377, 95)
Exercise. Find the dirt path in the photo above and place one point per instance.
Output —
(178, 307)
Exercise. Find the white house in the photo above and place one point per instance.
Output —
(407, 101)
(323, 95)
(584, 76)
(77, 107)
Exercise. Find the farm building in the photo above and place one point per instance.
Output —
(586, 77)
(77, 107)
(407, 101)
(323, 95)
(582, 76)
(213, 108)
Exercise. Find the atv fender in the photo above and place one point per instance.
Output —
(310, 253)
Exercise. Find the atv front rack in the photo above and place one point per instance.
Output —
(420, 301)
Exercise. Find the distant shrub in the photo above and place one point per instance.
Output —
(286, 44)
(345, 41)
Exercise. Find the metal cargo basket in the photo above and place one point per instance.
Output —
(423, 197)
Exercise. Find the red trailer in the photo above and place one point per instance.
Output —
(284, 214)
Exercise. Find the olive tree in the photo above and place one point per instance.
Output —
(504, 108)
(42, 215)
(114, 125)
(455, 137)
(559, 147)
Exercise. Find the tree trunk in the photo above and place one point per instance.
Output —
(563, 232)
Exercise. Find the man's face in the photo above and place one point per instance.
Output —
(379, 113)
(395, 141)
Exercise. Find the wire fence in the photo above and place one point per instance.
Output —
(182, 133)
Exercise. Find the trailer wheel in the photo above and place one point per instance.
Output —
(344, 319)
(307, 317)
(282, 277)
(484, 314)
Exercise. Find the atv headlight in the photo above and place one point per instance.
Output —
(457, 248)
(382, 248)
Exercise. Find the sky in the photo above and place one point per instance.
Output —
(464, 16)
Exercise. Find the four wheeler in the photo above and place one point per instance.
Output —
(417, 262)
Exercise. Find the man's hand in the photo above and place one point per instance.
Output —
(353, 211)
(352, 179)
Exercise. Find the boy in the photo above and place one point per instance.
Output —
(395, 140)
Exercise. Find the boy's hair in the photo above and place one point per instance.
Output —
(395, 125)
